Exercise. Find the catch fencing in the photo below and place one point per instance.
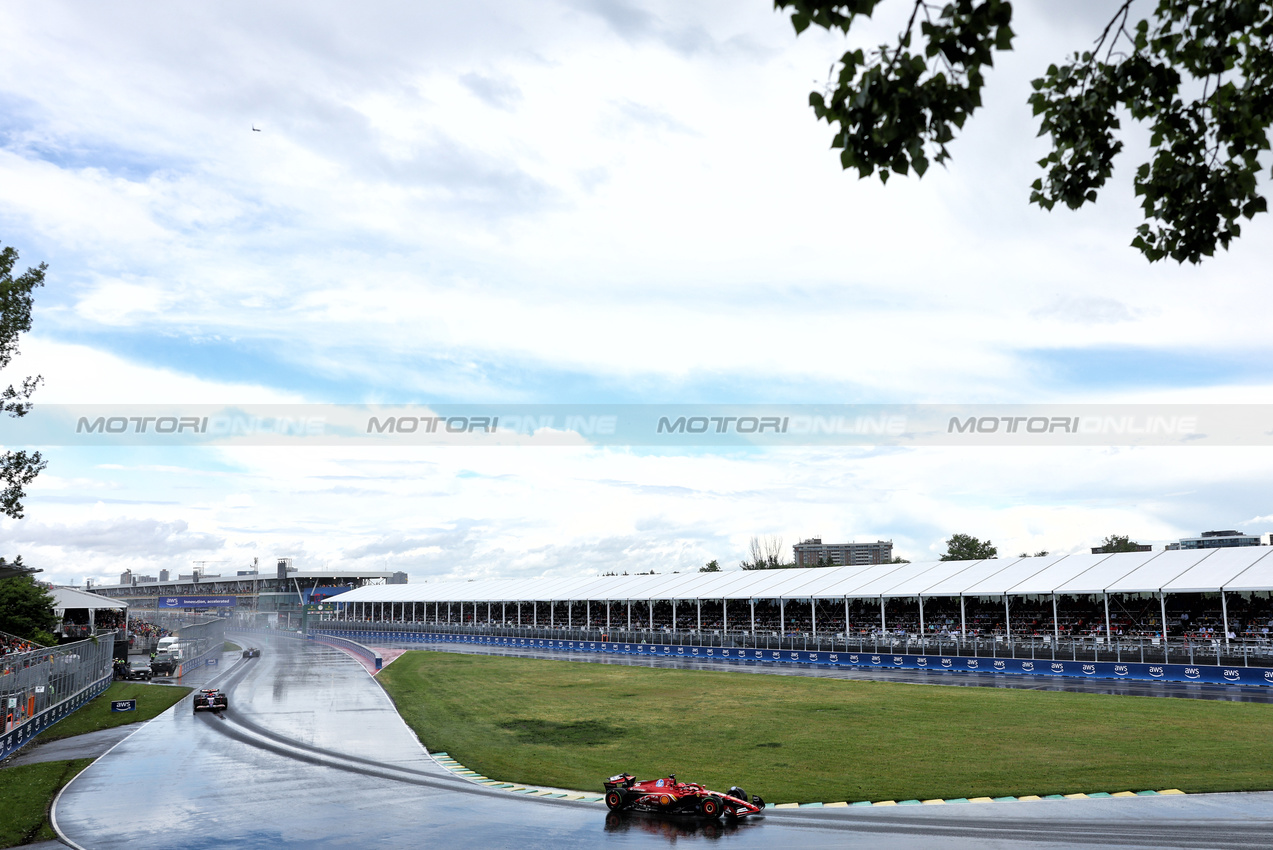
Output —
(41, 687)
(1074, 658)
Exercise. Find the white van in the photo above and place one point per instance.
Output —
(172, 644)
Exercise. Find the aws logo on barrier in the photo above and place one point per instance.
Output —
(999, 665)
(898, 660)
(1156, 672)
(813, 656)
(1120, 669)
(972, 664)
(946, 662)
(1058, 667)
(777, 656)
(853, 659)
(835, 658)
(875, 659)
(1268, 675)
(1027, 666)
(1232, 675)
(1089, 669)
(1192, 673)
(921, 662)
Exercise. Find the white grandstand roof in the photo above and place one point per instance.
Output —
(1104, 573)
(70, 597)
(1177, 571)
(1258, 576)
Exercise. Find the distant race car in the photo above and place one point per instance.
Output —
(210, 699)
(252, 652)
(667, 796)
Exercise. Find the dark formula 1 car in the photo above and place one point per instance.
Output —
(210, 699)
(667, 796)
(252, 652)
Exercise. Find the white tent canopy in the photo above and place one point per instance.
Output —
(1180, 571)
(69, 597)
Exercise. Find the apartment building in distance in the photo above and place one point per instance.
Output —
(813, 552)
(1217, 540)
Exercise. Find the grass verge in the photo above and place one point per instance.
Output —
(231, 646)
(803, 739)
(151, 700)
(25, 796)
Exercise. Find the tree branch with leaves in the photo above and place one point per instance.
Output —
(17, 468)
(1198, 73)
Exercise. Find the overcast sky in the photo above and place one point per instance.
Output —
(568, 203)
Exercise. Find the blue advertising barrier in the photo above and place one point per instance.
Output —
(12, 741)
(1135, 671)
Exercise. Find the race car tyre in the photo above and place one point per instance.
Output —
(614, 800)
(738, 794)
(710, 807)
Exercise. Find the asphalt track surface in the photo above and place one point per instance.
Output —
(312, 754)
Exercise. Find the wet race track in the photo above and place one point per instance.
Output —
(312, 754)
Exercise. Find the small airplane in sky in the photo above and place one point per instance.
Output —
(255, 129)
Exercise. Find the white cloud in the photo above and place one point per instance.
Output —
(483, 202)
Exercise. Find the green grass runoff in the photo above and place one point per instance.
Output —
(26, 792)
(231, 646)
(806, 739)
(25, 796)
(151, 701)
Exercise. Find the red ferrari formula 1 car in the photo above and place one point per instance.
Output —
(667, 796)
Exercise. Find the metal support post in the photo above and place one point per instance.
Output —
(1224, 615)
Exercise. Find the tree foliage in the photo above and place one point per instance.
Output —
(1197, 73)
(764, 553)
(17, 468)
(710, 567)
(26, 610)
(964, 547)
(1119, 543)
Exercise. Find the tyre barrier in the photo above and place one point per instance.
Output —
(1134, 671)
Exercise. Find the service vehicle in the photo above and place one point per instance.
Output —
(172, 643)
(210, 699)
(667, 796)
(165, 664)
(138, 668)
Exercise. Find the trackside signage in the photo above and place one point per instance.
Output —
(124, 705)
(1209, 674)
(197, 602)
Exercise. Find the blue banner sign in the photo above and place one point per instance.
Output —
(1145, 672)
(198, 602)
(123, 705)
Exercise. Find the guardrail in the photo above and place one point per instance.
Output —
(1147, 650)
(41, 687)
(1213, 674)
(340, 642)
